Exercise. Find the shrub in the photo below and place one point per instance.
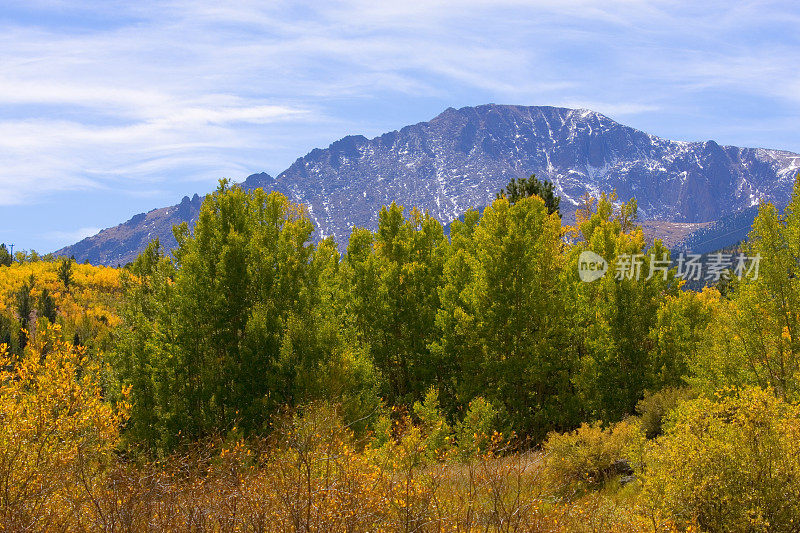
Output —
(474, 432)
(57, 434)
(435, 429)
(729, 464)
(655, 406)
(592, 455)
(319, 480)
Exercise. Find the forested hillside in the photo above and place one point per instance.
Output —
(259, 380)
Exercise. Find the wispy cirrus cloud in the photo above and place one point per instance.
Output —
(71, 236)
(122, 96)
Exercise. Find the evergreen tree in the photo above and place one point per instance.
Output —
(25, 301)
(5, 257)
(8, 330)
(65, 272)
(47, 306)
(527, 187)
(24, 309)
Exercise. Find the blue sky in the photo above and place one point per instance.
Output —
(108, 109)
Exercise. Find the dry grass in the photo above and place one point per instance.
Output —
(60, 470)
(333, 488)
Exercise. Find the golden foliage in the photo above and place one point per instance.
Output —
(586, 457)
(89, 306)
(313, 476)
(727, 464)
(56, 436)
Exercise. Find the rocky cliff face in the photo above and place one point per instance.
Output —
(461, 158)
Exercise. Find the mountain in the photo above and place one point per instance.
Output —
(729, 229)
(121, 244)
(462, 157)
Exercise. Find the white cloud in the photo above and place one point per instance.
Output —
(150, 92)
(70, 236)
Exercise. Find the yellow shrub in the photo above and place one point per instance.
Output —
(732, 464)
(656, 406)
(589, 455)
(56, 433)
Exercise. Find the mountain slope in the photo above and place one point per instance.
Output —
(121, 244)
(461, 158)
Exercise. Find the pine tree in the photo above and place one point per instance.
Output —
(65, 272)
(47, 306)
(5, 257)
(527, 187)
(24, 309)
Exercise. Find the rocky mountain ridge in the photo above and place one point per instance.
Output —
(462, 157)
